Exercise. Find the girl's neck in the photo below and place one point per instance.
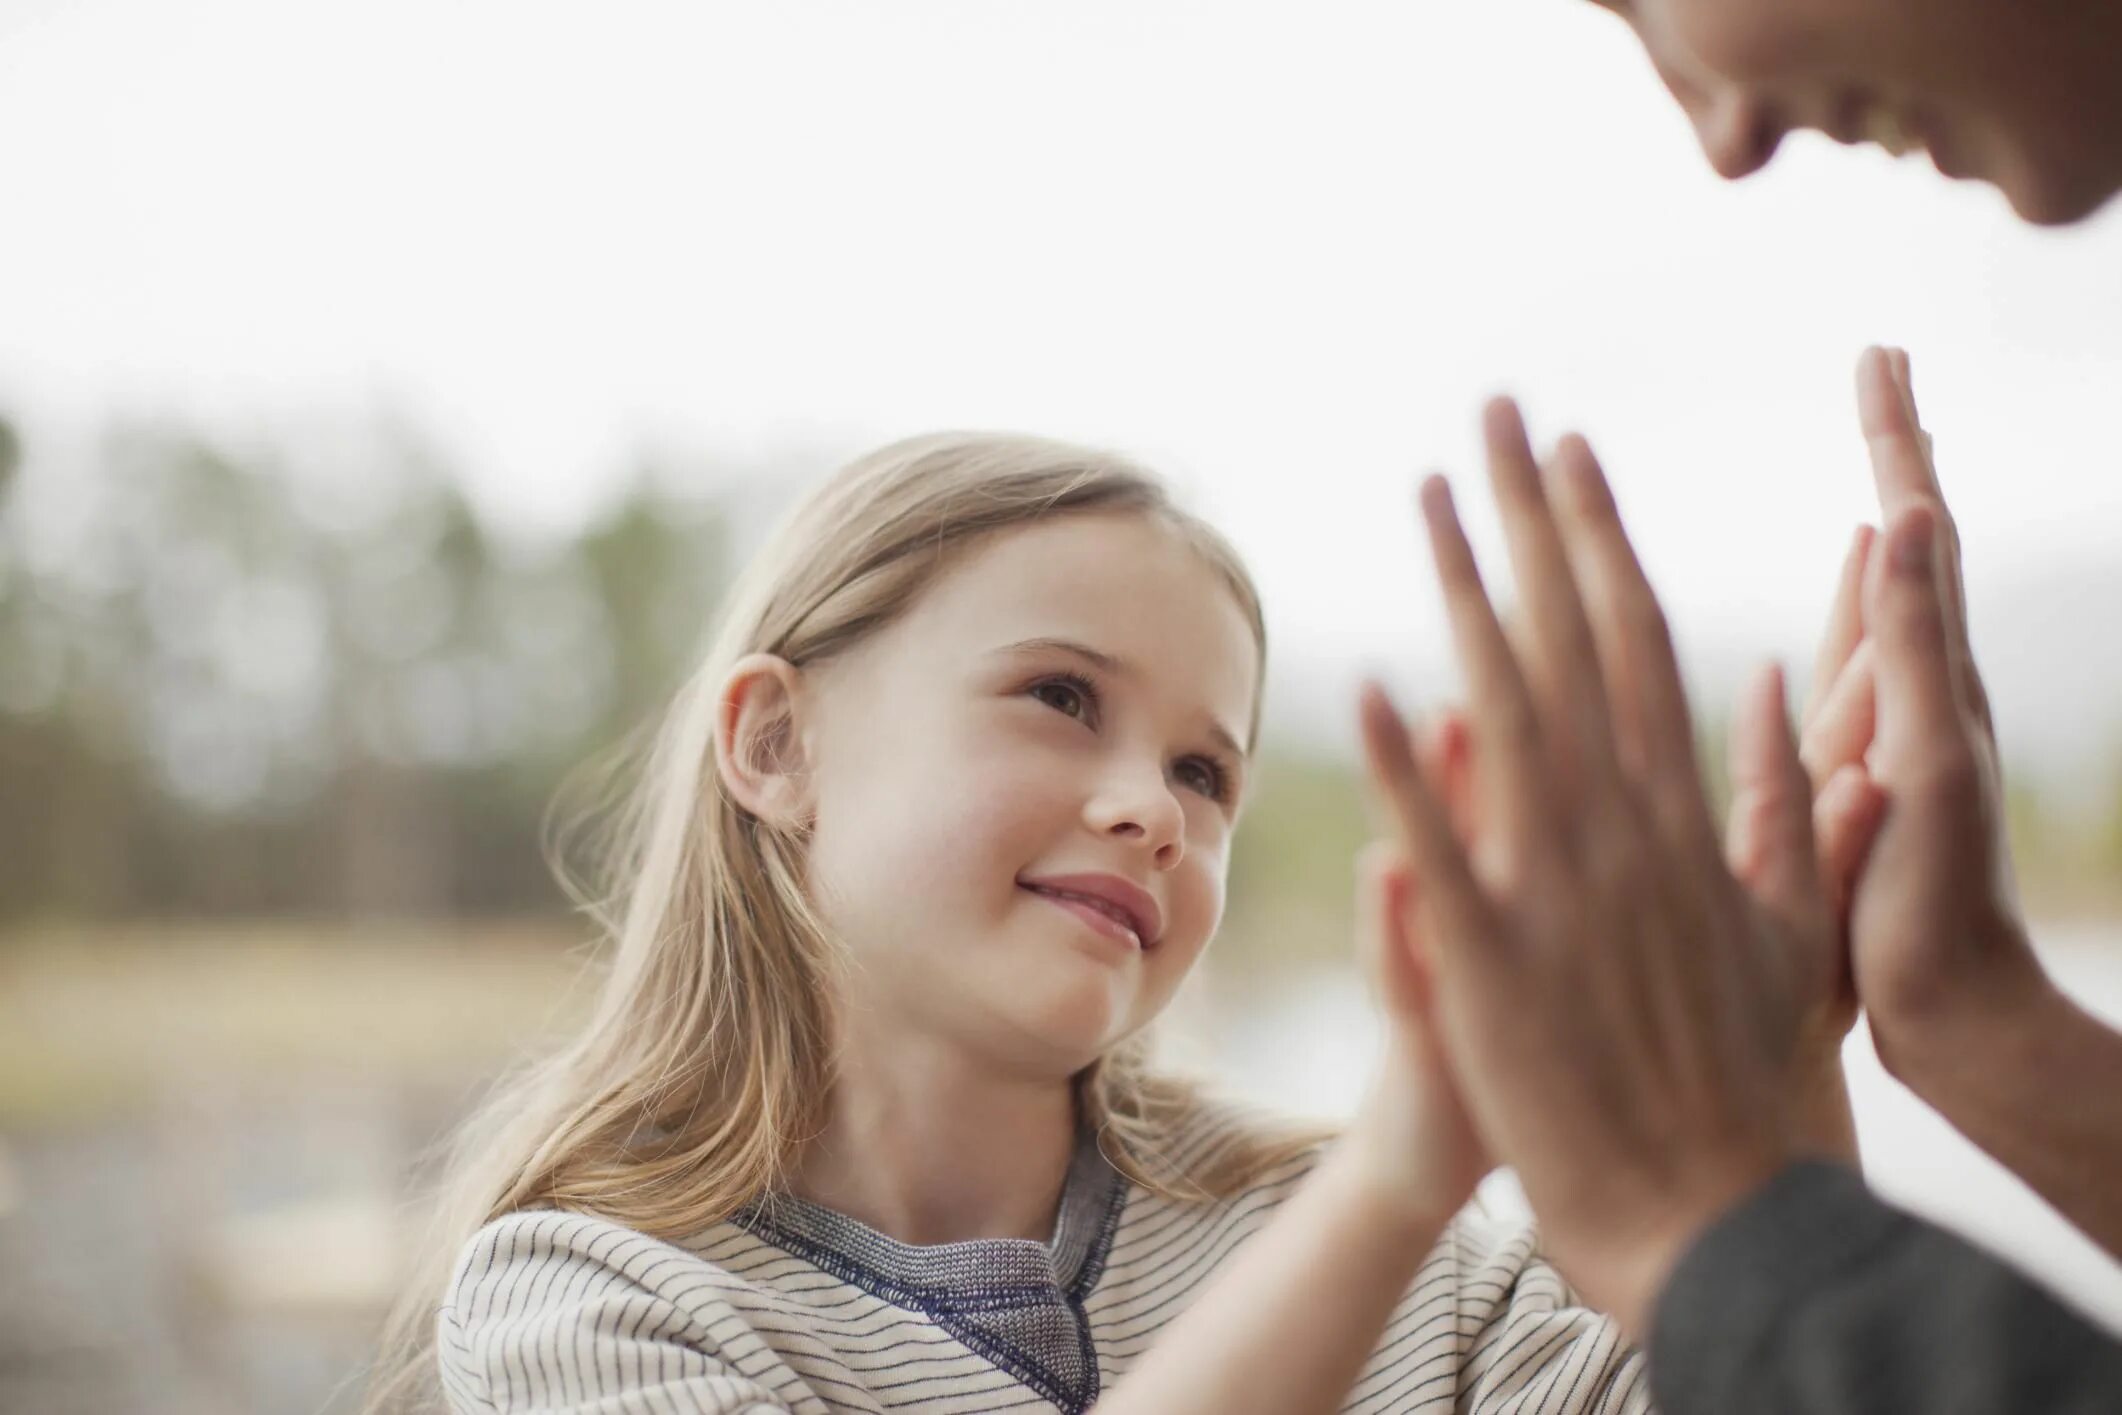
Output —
(928, 1147)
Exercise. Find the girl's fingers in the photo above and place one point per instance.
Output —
(1509, 751)
(1412, 985)
(1841, 729)
(1649, 703)
(1845, 624)
(1563, 661)
(1772, 847)
(1451, 898)
(1380, 928)
(1448, 765)
(1846, 816)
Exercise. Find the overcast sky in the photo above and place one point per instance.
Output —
(1280, 250)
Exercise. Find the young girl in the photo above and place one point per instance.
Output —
(864, 1119)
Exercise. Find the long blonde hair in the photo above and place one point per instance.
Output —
(705, 1062)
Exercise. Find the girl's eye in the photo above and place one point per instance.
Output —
(1075, 696)
(1202, 775)
(1069, 695)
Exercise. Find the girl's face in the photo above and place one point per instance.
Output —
(1060, 714)
(1997, 90)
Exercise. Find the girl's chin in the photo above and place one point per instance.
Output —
(1071, 1022)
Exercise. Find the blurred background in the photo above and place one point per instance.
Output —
(388, 391)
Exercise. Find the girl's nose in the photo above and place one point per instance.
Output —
(1146, 814)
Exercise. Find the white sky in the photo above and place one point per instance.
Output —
(1281, 250)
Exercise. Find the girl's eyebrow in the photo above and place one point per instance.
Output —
(1119, 668)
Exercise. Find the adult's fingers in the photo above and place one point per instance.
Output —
(1906, 476)
(1845, 624)
(1635, 645)
(1563, 664)
(1904, 374)
(1510, 755)
(1919, 712)
(1972, 689)
(1901, 467)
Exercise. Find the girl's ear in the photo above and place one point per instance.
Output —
(758, 749)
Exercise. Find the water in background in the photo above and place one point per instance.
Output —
(1910, 1153)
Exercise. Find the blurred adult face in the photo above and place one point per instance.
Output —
(2023, 94)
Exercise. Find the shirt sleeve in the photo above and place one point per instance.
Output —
(1535, 1349)
(1815, 1295)
(568, 1315)
(1490, 1328)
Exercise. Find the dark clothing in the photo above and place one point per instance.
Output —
(1815, 1296)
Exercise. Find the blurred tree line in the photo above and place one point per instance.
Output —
(232, 686)
(234, 683)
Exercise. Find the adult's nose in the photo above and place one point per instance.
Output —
(1737, 130)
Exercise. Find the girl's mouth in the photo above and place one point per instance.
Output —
(1099, 915)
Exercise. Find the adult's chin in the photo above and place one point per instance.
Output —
(2059, 194)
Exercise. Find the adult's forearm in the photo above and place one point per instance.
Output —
(1289, 1323)
(2036, 1081)
(1813, 1295)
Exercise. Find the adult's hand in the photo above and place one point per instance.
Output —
(1936, 927)
(1623, 1015)
(1960, 1007)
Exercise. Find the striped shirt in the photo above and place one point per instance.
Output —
(787, 1306)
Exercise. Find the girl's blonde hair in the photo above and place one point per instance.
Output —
(705, 1062)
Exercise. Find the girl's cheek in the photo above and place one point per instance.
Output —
(1206, 877)
(991, 798)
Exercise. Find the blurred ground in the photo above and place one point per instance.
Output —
(205, 1132)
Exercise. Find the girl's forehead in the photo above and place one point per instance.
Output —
(1127, 569)
(1128, 586)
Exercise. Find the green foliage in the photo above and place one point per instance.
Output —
(10, 456)
(238, 686)
(1292, 865)
(233, 691)
(2105, 864)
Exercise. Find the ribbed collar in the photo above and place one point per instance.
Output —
(972, 1268)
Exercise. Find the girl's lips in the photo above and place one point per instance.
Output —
(1097, 919)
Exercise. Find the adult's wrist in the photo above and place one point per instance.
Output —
(1625, 1266)
(1981, 1043)
(2040, 1092)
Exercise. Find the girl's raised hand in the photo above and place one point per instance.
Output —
(1835, 730)
(1414, 1128)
